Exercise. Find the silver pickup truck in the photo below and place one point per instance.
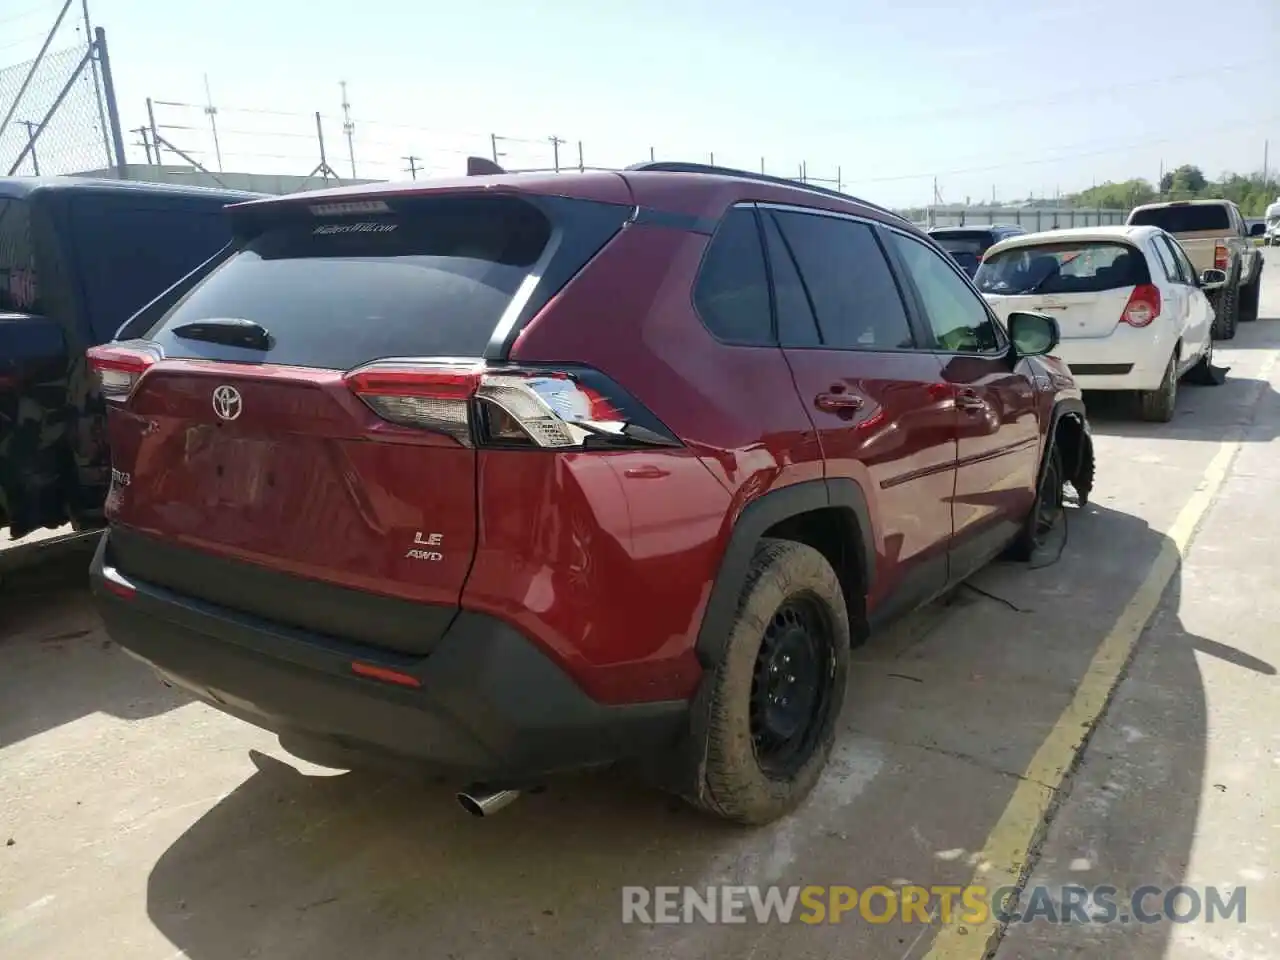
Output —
(1215, 237)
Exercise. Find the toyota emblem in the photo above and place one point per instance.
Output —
(226, 402)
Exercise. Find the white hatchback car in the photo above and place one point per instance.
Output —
(1131, 310)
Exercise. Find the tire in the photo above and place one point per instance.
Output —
(1043, 514)
(1229, 312)
(1157, 405)
(1227, 316)
(792, 606)
(1249, 295)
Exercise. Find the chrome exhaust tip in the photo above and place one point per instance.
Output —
(480, 802)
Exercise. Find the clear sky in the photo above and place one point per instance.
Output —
(1016, 96)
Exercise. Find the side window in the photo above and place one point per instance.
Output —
(797, 326)
(732, 291)
(1188, 270)
(847, 282)
(1168, 260)
(957, 315)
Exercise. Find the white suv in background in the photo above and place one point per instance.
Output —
(1132, 312)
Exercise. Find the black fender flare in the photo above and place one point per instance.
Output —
(758, 516)
(1067, 406)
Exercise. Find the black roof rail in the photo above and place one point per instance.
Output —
(677, 166)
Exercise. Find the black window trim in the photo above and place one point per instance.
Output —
(932, 338)
(914, 326)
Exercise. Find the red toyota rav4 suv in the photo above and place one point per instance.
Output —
(521, 474)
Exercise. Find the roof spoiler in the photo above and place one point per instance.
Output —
(480, 167)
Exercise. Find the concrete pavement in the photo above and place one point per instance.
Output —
(146, 826)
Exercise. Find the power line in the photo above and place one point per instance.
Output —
(1123, 148)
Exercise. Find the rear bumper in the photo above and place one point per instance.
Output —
(490, 706)
(1127, 359)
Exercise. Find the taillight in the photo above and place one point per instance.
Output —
(532, 408)
(430, 396)
(1143, 306)
(119, 367)
(1220, 258)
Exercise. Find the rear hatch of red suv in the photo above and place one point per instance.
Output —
(291, 437)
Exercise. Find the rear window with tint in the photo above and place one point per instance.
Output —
(1189, 219)
(1087, 267)
(965, 249)
(971, 243)
(431, 279)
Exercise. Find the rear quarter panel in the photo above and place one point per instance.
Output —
(630, 315)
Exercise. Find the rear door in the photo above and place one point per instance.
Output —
(264, 475)
(883, 415)
(998, 426)
(1083, 284)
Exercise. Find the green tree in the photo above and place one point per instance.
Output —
(1114, 196)
(1186, 180)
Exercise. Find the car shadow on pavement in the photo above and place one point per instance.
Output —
(56, 662)
(943, 715)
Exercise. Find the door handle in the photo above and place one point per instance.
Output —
(968, 400)
(837, 402)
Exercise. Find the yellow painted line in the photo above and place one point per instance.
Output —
(1004, 855)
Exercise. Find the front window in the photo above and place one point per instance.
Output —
(1082, 267)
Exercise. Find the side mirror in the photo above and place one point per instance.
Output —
(1033, 334)
(1257, 229)
(1213, 278)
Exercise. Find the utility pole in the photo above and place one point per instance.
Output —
(712, 158)
(94, 54)
(31, 138)
(349, 129)
(412, 169)
(582, 167)
(143, 142)
(493, 143)
(555, 152)
(762, 166)
(212, 113)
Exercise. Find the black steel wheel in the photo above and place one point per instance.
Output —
(765, 717)
(790, 691)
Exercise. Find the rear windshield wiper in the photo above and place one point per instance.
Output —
(229, 331)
